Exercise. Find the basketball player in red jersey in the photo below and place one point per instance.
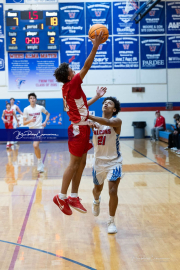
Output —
(7, 118)
(76, 105)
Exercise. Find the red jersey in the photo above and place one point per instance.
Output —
(8, 115)
(75, 100)
(160, 121)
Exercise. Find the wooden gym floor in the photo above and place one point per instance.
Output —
(35, 235)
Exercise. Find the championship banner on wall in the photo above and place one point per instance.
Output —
(1, 21)
(173, 52)
(2, 62)
(98, 13)
(154, 21)
(153, 53)
(126, 53)
(173, 17)
(103, 58)
(32, 71)
(71, 18)
(121, 19)
(73, 52)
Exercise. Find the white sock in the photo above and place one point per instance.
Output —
(111, 218)
(39, 160)
(62, 196)
(97, 201)
(74, 195)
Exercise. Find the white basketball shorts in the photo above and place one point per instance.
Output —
(106, 169)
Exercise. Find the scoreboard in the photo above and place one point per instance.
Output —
(32, 30)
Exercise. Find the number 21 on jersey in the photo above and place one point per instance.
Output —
(101, 140)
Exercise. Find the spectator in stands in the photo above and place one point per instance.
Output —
(176, 138)
(159, 125)
(172, 136)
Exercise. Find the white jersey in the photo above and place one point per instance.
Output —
(34, 112)
(14, 108)
(106, 143)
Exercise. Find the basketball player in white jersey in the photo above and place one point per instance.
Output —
(107, 157)
(16, 109)
(32, 117)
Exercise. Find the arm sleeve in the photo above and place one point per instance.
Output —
(43, 109)
(25, 114)
(75, 86)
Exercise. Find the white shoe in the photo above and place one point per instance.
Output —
(174, 148)
(166, 148)
(96, 207)
(112, 227)
(40, 167)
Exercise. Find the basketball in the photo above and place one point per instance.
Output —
(98, 28)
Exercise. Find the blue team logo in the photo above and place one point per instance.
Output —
(19, 82)
(98, 13)
(72, 15)
(152, 13)
(152, 48)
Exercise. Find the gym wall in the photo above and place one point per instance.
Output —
(161, 86)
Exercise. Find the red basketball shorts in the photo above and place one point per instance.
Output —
(8, 125)
(79, 140)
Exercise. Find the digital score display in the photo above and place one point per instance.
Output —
(32, 30)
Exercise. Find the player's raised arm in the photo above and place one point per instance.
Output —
(96, 42)
(115, 122)
(100, 92)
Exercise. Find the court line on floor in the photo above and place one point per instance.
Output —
(152, 160)
(49, 253)
(16, 251)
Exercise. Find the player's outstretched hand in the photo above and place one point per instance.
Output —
(98, 39)
(101, 91)
(44, 124)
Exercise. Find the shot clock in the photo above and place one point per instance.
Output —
(32, 30)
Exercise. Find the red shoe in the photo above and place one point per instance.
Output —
(76, 204)
(63, 205)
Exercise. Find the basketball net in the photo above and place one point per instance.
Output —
(130, 5)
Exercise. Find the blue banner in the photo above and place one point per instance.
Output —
(103, 58)
(98, 13)
(154, 21)
(173, 51)
(153, 52)
(55, 119)
(32, 71)
(14, 1)
(126, 52)
(1, 20)
(71, 18)
(73, 52)
(24, 134)
(2, 62)
(173, 17)
(121, 19)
